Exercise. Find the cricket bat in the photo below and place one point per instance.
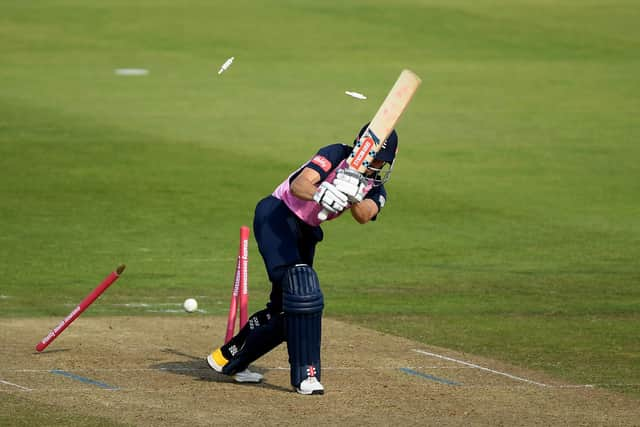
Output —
(381, 125)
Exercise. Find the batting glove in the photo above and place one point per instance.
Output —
(351, 183)
(330, 198)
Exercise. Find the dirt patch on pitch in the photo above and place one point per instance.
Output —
(151, 371)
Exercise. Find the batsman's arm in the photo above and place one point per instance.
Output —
(364, 211)
(304, 186)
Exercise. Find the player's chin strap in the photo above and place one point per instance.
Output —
(381, 175)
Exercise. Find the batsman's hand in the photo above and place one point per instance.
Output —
(331, 199)
(352, 183)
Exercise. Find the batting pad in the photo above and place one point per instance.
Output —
(302, 304)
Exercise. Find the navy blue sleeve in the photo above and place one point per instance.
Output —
(379, 196)
(328, 158)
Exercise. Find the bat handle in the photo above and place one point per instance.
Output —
(323, 214)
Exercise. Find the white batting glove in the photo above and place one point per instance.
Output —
(330, 198)
(351, 183)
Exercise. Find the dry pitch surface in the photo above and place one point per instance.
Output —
(151, 371)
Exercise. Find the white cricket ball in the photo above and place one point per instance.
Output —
(190, 305)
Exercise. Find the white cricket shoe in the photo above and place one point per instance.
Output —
(248, 376)
(310, 386)
(217, 361)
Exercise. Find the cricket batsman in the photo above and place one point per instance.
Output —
(287, 229)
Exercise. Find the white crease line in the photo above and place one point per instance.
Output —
(161, 258)
(200, 310)
(480, 367)
(15, 385)
(582, 385)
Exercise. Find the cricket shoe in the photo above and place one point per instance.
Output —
(310, 386)
(217, 362)
(247, 376)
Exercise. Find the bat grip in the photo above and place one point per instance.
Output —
(323, 214)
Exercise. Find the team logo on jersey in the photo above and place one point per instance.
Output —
(323, 162)
(382, 200)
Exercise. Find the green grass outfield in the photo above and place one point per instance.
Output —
(513, 224)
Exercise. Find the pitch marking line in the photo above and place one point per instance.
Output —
(472, 365)
(428, 377)
(83, 379)
(16, 385)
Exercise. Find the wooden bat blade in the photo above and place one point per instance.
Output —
(384, 121)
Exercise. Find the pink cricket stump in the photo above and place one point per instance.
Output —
(233, 305)
(244, 283)
(80, 308)
(240, 293)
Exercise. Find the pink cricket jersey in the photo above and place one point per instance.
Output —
(307, 210)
